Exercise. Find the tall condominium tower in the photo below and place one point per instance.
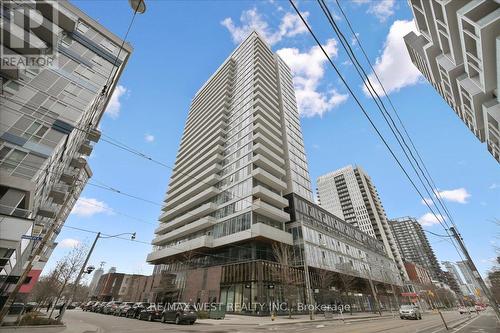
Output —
(50, 110)
(240, 188)
(414, 246)
(470, 281)
(458, 51)
(350, 194)
(241, 151)
(452, 271)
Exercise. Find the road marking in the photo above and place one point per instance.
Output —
(466, 324)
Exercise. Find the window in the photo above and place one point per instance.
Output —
(12, 159)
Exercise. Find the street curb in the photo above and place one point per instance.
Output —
(30, 326)
(365, 318)
(460, 322)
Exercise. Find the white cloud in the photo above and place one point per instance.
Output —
(149, 138)
(427, 201)
(69, 243)
(308, 70)
(114, 105)
(493, 186)
(354, 39)
(428, 219)
(87, 207)
(250, 20)
(459, 195)
(382, 9)
(394, 66)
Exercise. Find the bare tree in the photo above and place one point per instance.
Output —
(69, 266)
(166, 290)
(325, 281)
(288, 276)
(46, 288)
(347, 281)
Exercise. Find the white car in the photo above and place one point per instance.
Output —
(410, 312)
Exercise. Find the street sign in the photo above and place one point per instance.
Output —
(33, 238)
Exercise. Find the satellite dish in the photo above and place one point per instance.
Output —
(138, 5)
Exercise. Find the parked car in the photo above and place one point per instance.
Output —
(88, 306)
(463, 310)
(123, 308)
(30, 306)
(409, 312)
(151, 313)
(111, 307)
(179, 313)
(98, 307)
(134, 311)
(479, 308)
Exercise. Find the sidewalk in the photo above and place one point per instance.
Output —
(232, 319)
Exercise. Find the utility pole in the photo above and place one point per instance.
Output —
(82, 270)
(374, 292)
(475, 272)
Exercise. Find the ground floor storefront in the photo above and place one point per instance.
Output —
(259, 287)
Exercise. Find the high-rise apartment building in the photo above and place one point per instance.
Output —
(49, 118)
(350, 194)
(450, 267)
(414, 246)
(458, 51)
(241, 151)
(470, 282)
(237, 188)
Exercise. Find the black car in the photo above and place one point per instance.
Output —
(179, 313)
(151, 313)
(134, 311)
(111, 307)
(122, 309)
(87, 306)
(98, 307)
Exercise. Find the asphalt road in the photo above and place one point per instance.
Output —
(431, 323)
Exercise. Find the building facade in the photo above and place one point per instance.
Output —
(457, 50)
(350, 194)
(49, 121)
(418, 274)
(449, 279)
(414, 245)
(240, 166)
(241, 151)
(471, 286)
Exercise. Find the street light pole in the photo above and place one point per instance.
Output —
(475, 272)
(82, 269)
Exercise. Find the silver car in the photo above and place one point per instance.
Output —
(409, 312)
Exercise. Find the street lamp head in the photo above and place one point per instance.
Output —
(133, 236)
(89, 269)
(138, 6)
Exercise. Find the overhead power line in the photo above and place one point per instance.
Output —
(367, 116)
(358, 41)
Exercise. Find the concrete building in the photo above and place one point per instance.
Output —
(95, 280)
(241, 151)
(449, 279)
(414, 245)
(240, 165)
(458, 50)
(49, 120)
(418, 274)
(471, 286)
(350, 194)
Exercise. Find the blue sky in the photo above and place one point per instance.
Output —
(179, 44)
